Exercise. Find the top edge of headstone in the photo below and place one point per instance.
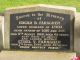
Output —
(43, 5)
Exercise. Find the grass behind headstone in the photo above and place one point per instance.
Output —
(14, 3)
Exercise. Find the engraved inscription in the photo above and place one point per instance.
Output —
(40, 30)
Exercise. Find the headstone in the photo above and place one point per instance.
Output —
(39, 27)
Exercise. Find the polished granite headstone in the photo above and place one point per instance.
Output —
(49, 30)
(39, 27)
